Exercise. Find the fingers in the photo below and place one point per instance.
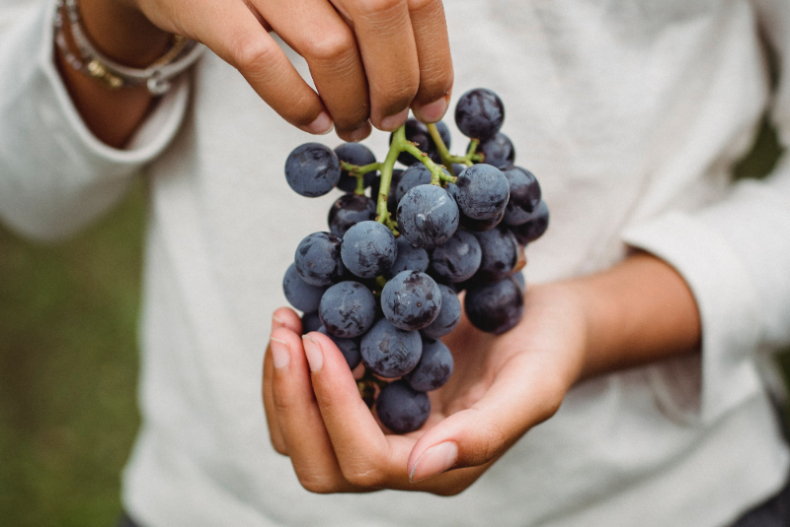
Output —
(232, 31)
(433, 50)
(521, 396)
(288, 319)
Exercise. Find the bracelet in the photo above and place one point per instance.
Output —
(157, 77)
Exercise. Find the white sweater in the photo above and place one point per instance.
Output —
(631, 114)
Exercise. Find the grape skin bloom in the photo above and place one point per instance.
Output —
(482, 192)
(368, 249)
(299, 293)
(312, 170)
(317, 259)
(390, 352)
(449, 315)
(401, 408)
(411, 300)
(347, 310)
(427, 216)
(434, 368)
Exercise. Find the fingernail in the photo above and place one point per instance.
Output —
(281, 355)
(359, 134)
(434, 111)
(434, 461)
(315, 358)
(391, 123)
(277, 322)
(322, 125)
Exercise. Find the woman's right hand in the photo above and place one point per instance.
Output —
(371, 60)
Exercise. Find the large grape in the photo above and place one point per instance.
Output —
(348, 309)
(458, 258)
(401, 408)
(533, 228)
(390, 352)
(348, 210)
(410, 258)
(317, 259)
(348, 347)
(312, 170)
(500, 254)
(355, 154)
(299, 293)
(427, 216)
(411, 300)
(448, 317)
(524, 195)
(482, 192)
(498, 151)
(368, 249)
(434, 368)
(479, 114)
(494, 308)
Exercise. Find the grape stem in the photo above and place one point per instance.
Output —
(447, 158)
(359, 173)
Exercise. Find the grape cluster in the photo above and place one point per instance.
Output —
(383, 281)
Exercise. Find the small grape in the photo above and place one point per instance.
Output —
(348, 347)
(390, 352)
(494, 308)
(449, 315)
(368, 249)
(355, 154)
(480, 225)
(310, 322)
(299, 293)
(434, 368)
(410, 258)
(317, 259)
(498, 151)
(427, 216)
(348, 210)
(413, 176)
(411, 300)
(524, 195)
(458, 259)
(479, 114)
(482, 192)
(533, 228)
(312, 170)
(347, 309)
(401, 408)
(500, 255)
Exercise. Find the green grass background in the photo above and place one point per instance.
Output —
(68, 364)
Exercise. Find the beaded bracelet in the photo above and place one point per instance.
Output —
(157, 77)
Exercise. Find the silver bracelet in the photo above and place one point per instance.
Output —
(157, 77)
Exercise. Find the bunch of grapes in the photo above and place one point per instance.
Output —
(383, 282)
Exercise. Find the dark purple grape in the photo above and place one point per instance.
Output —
(480, 225)
(458, 258)
(458, 168)
(524, 195)
(534, 227)
(310, 322)
(347, 309)
(410, 258)
(390, 352)
(401, 408)
(368, 249)
(413, 176)
(299, 293)
(317, 259)
(449, 315)
(434, 368)
(427, 216)
(312, 170)
(498, 151)
(494, 308)
(349, 210)
(348, 347)
(500, 255)
(355, 154)
(479, 114)
(482, 192)
(411, 300)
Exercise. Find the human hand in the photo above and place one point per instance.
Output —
(368, 59)
(501, 387)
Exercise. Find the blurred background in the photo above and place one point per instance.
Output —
(68, 364)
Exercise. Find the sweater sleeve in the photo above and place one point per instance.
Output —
(735, 256)
(55, 176)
